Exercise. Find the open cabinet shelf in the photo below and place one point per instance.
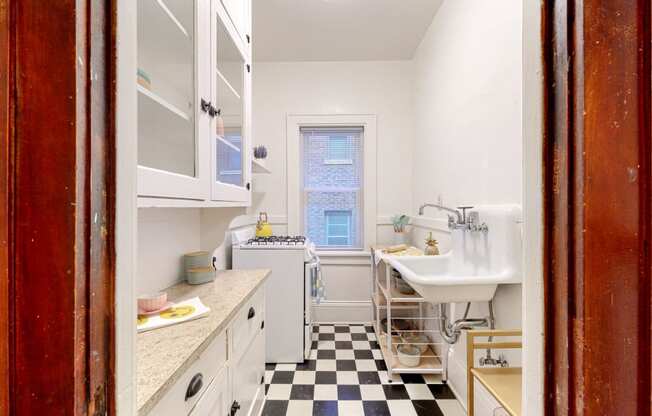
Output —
(430, 360)
(259, 166)
(393, 306)
(154, 104)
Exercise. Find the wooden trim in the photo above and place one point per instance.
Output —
(498, 345)
(472, 345)
(598, 215)
(6, 146)
(57, 193)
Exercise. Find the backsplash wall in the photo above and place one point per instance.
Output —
(166, 234)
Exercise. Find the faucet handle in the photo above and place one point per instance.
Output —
(463, 208)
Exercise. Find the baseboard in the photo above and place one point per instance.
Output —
(342, 312)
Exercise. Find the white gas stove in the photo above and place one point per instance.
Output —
(288, 306)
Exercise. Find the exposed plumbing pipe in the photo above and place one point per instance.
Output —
(451, 333)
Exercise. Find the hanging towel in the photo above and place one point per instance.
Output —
(318, 290)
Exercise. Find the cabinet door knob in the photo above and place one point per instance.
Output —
(194, 386)
(252, 313)
(234, 408)
(212, 111)
(205, 105)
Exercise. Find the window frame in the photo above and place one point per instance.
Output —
(368, 202)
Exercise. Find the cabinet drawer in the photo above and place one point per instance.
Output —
(199, 375)
(247, 322)
(248, 373)
(215, 400)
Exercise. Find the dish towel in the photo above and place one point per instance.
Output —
(318, 290)
(185, 311)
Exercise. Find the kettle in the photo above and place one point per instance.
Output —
(263, 227)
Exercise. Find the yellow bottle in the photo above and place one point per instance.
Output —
(263, 227)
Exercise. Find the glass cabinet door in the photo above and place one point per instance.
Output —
(230, 149)
(167, 136)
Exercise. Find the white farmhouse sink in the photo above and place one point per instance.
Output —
(476, 264)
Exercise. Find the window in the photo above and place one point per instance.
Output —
(229, 158)
(339, 150)
(338, 228)
(332, 186)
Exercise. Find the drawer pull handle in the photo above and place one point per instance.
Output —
(195, 385)
(252, 313)
(234, 408)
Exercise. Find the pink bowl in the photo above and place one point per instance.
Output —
(152, 302)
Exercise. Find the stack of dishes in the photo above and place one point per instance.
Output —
(198, 267)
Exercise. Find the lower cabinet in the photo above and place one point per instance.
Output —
(228, 377)
(248, 378)
(215, 401)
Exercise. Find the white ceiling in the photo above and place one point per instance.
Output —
(339, 30)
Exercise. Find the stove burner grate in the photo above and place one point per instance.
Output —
(284, 240)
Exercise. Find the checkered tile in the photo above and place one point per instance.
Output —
(347, 376)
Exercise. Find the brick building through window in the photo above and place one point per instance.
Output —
(332, 186)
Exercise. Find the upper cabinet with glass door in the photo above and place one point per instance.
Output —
(169, 86)
(239, 12)
(194, 104)
(231, 82)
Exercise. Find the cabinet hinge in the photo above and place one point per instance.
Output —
(262, 379)
(262, 325)
(248, 39)
(248, 68)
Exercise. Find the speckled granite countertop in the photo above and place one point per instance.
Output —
(162, 355)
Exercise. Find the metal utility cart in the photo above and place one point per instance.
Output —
(396, 311)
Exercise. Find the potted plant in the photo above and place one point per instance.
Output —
(400, 234)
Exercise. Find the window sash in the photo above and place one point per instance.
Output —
(329, 187)
(334, 220)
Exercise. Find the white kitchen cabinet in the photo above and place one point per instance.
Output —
(231, 82)
(192, 386)
(248, 356)
(216, 399)
(239, 12)
(194, 104)
(228, 377)
(248, 378)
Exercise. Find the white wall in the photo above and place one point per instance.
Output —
(380, 88)
(468, 105)
(166, 234)
(468, 139)
(326, 88)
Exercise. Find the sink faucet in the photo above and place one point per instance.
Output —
(460, 216)
(460, 221)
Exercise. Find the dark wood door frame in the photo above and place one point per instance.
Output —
(598, 211)
(57, 192)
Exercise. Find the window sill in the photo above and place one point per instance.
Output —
(343, 253)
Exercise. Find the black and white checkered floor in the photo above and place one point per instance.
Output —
(346, 376)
